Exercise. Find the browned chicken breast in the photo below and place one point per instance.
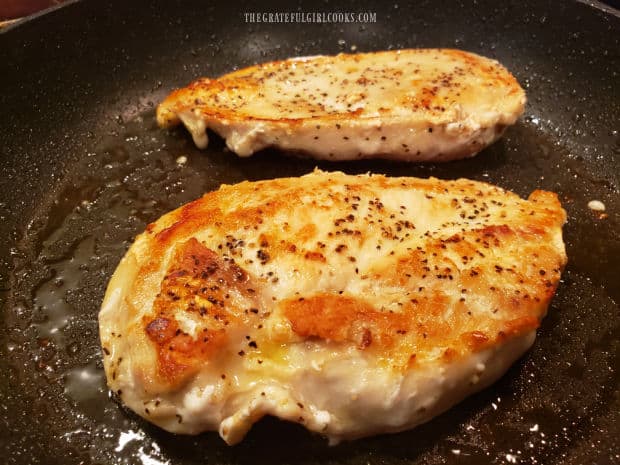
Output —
(354, 305)
(414, 105)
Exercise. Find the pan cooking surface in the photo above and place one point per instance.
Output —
(138, 173)
(118, 172)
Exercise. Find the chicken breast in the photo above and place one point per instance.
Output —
(353, 305)
(413, 105)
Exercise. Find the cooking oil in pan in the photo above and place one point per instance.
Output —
(136, 174)
(49, 297)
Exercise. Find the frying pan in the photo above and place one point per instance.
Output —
(84, 169)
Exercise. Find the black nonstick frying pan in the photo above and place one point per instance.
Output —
(84, 168)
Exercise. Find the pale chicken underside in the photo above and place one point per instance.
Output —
(415, 105)
(353, 305)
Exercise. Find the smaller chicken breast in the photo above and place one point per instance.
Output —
(413, 105)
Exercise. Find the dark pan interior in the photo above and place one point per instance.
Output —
(84, 169)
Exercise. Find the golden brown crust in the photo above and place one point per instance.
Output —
(397, 268)
(201, 284)
(430, 92)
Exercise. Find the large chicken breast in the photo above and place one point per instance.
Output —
(354, 305)
(414, 105)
